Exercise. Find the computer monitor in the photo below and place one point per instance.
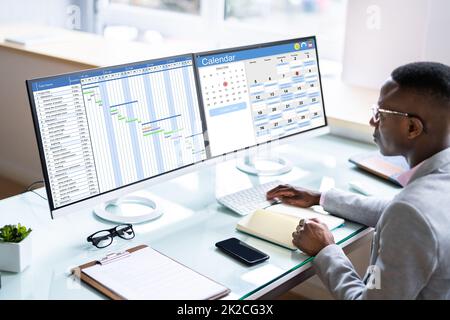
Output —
(259, 94)
(103, 133)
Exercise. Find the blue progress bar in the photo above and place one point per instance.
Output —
(118, 105)
(177, 115)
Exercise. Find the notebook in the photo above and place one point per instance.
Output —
(389, 168)
(146, 274)
(277, 223)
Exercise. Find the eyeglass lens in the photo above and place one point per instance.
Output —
(102, 239)
(125, 232)
(375, 114)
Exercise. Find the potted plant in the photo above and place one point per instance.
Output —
(15, 248)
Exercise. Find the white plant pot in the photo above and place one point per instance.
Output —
(15, 257)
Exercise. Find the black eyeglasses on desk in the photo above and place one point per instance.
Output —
(104, 238)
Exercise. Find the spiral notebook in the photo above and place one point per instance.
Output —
(142, 273)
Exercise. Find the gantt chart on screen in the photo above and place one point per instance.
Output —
(107, 128)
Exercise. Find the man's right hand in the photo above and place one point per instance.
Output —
(295, 196)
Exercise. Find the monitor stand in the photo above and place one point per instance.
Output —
(128, 209)
(264, 165)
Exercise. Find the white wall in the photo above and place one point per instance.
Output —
(43, 12)
(437, 44)
(384, 34)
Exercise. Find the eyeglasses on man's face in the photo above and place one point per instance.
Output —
(377, 111)
(104, 238)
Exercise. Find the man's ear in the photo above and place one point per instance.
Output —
(415, 128)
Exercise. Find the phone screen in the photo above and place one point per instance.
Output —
(242, 251)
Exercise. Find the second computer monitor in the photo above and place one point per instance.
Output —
(252, 95)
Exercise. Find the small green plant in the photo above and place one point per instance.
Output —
(13, 233)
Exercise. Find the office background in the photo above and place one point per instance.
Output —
(359, 42)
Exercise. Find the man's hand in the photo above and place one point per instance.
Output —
(295, 196)
(312, 237)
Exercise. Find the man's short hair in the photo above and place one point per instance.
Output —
(429, 78)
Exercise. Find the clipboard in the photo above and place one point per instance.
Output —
(77, 272)
(111, 258)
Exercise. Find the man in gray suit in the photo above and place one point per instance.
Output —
(410, 256)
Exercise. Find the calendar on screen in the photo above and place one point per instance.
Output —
(254, 95)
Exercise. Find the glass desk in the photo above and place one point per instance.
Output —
(192, 223)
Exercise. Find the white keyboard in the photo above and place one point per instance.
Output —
(247, 201)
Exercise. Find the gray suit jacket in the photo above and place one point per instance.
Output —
(410, 256)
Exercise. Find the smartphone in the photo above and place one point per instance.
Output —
(242, 251)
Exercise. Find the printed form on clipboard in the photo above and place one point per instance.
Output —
(142, 273)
